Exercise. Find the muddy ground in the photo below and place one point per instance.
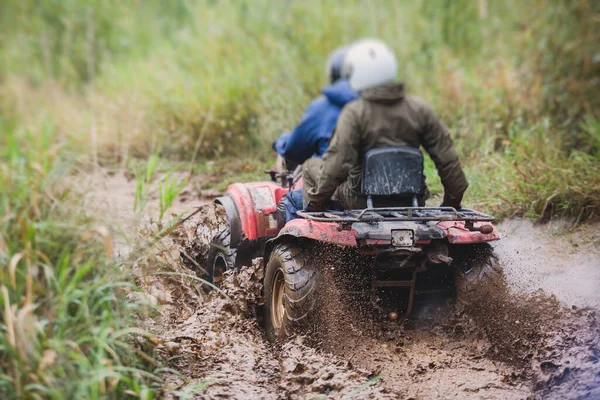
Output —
(534, 334)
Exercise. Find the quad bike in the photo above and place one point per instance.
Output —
(398, 244)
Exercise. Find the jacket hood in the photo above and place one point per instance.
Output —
(391, 92)
(340, 92)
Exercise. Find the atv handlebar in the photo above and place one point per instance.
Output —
(285, 178)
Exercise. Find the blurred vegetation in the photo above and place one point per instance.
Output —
(517, 82)
(211, 83)
(67, 330)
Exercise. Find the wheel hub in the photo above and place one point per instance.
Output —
(277, 307)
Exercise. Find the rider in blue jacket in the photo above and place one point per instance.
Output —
(311, 136)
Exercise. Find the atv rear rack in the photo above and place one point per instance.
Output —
(397, 214)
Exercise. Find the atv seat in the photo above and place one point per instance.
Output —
(392, 172)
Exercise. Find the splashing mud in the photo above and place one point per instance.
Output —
(552, 346)
(531, 319)
(429, 356)
(505, 344)
(216, 340)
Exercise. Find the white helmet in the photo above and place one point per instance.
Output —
(369, 63)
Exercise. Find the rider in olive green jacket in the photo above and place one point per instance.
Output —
(383, 116)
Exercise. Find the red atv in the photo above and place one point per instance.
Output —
(401, 244)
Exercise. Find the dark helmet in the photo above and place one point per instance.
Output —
(335, 62)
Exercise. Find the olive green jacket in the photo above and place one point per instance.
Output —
(385, 116)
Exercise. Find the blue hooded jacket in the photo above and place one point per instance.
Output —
(311, 136)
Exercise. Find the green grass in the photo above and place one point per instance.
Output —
(214, 80)
(220, 173)
(67, 330)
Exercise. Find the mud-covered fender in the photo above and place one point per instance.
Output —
(457, 233)
(325, 232)
(233, 217)
(304, 229)
(251, 210)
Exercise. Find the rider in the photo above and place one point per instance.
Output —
(383, 116)
(311, 136)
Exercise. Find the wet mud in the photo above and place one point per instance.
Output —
(505, 344)
(553, 348)
(216, 342)
(533, 335)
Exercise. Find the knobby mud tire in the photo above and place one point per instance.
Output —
(296, 265)
(478, 273)
(220, 257)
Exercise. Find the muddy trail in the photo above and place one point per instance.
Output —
(532, 334)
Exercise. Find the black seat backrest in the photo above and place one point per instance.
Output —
(392, 171)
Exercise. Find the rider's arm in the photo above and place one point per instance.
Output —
(280, 143)
(339, 158)
(301, 142)
(439, 145)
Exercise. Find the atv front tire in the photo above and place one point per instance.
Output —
(220, 257)
(290, 290)
(477, 273)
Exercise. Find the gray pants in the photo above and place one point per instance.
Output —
(311, 170)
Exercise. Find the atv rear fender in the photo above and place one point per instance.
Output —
(458, 233)
(326, 232)
(359, 234)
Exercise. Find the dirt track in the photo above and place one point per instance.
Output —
(522, 340)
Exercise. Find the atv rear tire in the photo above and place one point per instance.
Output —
(290, 290)
(220, 257)
(477, 273)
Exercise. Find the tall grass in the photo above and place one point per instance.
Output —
(67, 330)
(197, 80)
(533, 176)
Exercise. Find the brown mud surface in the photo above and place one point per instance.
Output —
(216, 340)
(532, 335)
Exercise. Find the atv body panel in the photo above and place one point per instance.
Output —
(256, 204)
(253, 216)
(252, 213)
(377, 227)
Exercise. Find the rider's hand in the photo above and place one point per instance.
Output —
(451, 201)
(314, 206)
